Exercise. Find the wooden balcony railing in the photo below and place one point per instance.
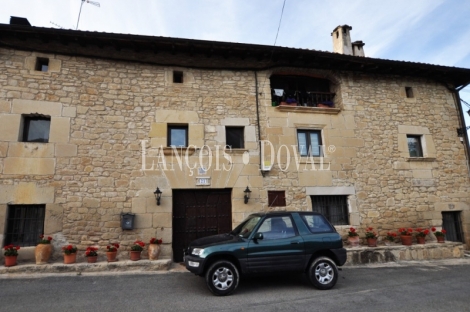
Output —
(303, 98)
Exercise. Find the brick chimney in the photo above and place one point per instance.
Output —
(342, 42)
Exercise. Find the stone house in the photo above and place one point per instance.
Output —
(92, 123)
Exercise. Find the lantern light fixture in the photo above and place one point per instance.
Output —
(158, 195)
(247, 194)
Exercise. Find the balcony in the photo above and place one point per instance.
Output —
(302, 98)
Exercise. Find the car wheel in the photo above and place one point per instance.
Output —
(323, 273)
(222, 278)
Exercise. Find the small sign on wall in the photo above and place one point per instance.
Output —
(203, 181)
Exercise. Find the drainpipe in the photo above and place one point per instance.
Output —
(456, 95)
(259, 128)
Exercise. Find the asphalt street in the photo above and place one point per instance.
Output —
(427, 286)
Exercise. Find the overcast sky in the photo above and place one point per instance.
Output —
(427, 31)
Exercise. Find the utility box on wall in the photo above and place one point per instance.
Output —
(127, 221)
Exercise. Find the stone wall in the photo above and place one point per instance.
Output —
(101, 111)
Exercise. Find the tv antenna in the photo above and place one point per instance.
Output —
(57, 25)
(97, 4)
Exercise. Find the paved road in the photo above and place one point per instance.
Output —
(434, 286)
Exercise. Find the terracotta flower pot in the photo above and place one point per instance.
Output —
(406, 240)
(154, 251)
(69, 259)
(111, 255)
(421, 239)
(372, 242)
(353, 241)
(10, 261)
(135, 255)
(441, 239)
(42, 253)
(91, 259)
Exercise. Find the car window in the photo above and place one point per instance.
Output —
(246, 227)
(277, 228)
(317, 224)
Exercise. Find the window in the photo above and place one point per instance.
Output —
(277, 198)
(42, 64)
(25, 223)
(277, 228)
(235, 137)
(36, 128)
(317, 224)
(178, 136)
(409, 92)
(309, 142)
(414, 145)
(333, 207)
(452, 223)
(177, 77)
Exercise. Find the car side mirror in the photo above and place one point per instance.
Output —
(258, 235)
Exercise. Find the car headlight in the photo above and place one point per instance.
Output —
(198, 252)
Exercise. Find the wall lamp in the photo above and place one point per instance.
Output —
(158, 195)
(247, 194)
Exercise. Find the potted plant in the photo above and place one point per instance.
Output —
(353, 237)
(70, 254)
(111, 252)
(405, 235)
(371, 237)
(390, 238)
(421, 235)
(43, 250)
(440, 235)
(11, 254)
(91, 254)
(136, 250)
(154, 248)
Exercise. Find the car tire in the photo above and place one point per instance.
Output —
(323, 273)
(222, 278)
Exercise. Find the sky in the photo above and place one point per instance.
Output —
(426, 31)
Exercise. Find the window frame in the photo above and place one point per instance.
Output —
(17, 219)
(308, 132)
(279, 199)
(178, 76)
(26, 125)
(241, 138)
(419, 142)
(326, 210)
(177, 127)
(42, 64)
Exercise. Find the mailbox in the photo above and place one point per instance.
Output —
(127, 221)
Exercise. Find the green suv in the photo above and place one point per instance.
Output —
(266, 243)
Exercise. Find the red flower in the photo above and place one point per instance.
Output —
(410, 230)
(443, 231)
(426, 232)
(41, 236)
(433, 229)
(352, 229)
(17, 247)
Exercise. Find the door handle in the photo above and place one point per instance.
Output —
(294, 243)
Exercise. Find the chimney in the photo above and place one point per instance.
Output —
(19, 21)
(342, 42)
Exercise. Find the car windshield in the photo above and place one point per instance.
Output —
(246, 227)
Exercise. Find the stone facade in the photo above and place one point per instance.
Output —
(109, 123)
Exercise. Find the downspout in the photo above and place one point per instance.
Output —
(455, 92)
(259, 128)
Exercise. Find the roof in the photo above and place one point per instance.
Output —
(210, 54)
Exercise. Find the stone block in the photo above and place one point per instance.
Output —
(235, 122)
(5, 106)
(69, 112)
(250, 134)
(158, 130)
(10, 127)
(60, 130)
(106, 182)
(53, 220)
(422, 174)
(196, 134)
(174, 116)
(162, 219)
(91, 202)
(52, 109)
(65, 150)
(143, 221)
(315, 178)
(30, 150)
(29, 166)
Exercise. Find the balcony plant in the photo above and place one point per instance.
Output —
(421, 235)
(43, 250)
(371, 237)
(11, 255)
(111, 252)
(91, 254)
(154, 248)
(70, 254)
(353, 237)
(405, 235)
(136, 250)
(440, 235)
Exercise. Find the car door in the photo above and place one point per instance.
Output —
(280, 249)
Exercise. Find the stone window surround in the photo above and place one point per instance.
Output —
(318, 127)
(249, 133)
(354, 219)
(427, 143)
